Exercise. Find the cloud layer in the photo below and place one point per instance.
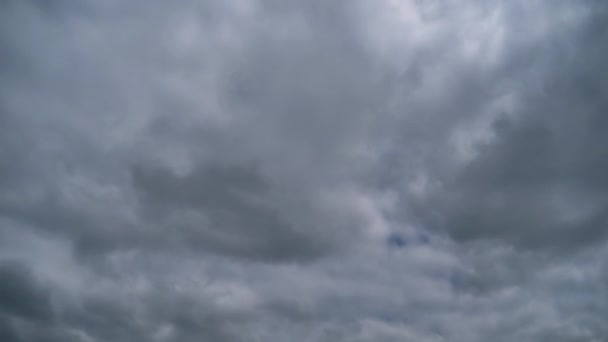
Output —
(396, 170)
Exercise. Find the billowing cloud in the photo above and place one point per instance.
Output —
(303, 170)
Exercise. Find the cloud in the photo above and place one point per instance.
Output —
(302, 171)
(21, 296)
(221, 208)
(537, 183)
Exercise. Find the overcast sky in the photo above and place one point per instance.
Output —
(303, 170)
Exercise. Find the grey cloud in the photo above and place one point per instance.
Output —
(540, 182)
(244, 171)
(68, 148)
(21, 296)
(27, 312)
(226, 204)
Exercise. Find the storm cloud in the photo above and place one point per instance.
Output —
(260, 170)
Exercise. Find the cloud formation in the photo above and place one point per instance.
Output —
(260, 170)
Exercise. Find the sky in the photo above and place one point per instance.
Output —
(303, 170)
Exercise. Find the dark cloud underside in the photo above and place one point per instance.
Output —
(396, 170)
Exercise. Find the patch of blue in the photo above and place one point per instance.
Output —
(396, 240)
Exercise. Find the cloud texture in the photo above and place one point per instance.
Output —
(265, 170)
